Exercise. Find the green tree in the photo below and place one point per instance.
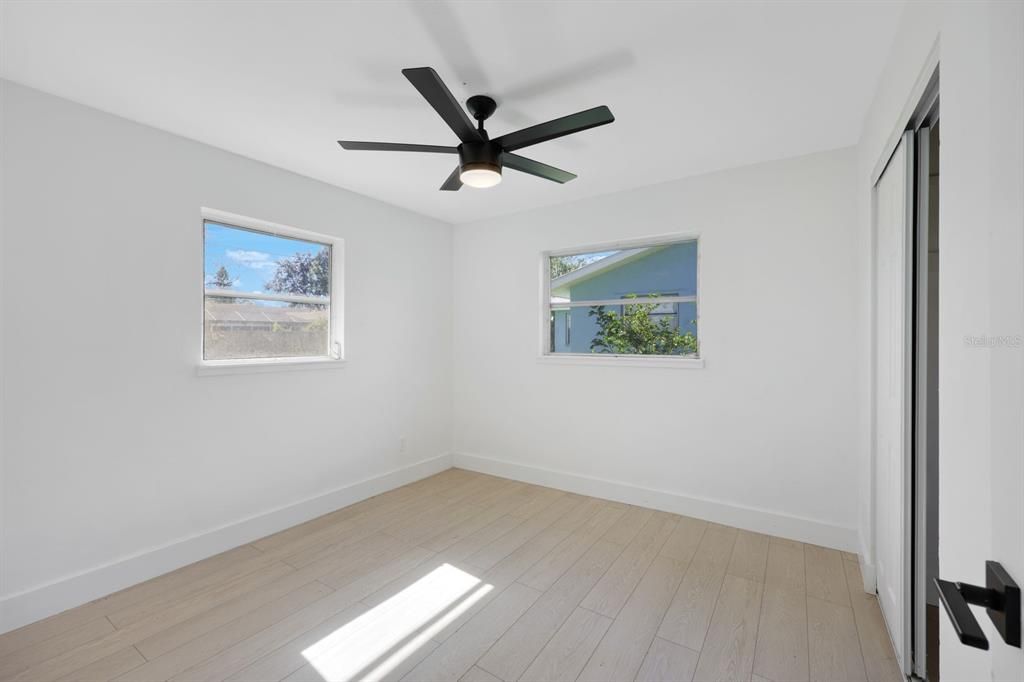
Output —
(563, 265)
(635, 332)
(222, 280)
(304, 274)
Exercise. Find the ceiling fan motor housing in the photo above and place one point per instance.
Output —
(480, 159)
(480, 156)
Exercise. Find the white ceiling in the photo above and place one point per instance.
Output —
(694, 86)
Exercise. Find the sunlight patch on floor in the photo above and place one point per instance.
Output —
(377, 642)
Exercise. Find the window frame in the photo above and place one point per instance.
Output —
(546, 354)
(675, 307)
(334, 358)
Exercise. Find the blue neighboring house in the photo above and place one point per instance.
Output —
(669, 270)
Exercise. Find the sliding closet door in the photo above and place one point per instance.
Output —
(893, 216)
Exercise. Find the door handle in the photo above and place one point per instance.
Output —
(1000, 597)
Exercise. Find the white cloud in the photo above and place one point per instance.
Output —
(257, 260)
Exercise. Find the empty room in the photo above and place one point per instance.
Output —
(501, 340)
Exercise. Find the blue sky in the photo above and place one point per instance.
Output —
(250, 257)
(591, 257)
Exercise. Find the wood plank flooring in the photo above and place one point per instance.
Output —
(468, 577)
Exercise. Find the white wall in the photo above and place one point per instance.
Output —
(979, 46)
(113, 446)
(770, 424)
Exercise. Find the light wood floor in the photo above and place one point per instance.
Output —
(470, 577)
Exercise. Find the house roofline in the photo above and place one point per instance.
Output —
(597, 267)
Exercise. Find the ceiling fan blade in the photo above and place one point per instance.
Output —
(567, 125)
(396, 147)
(433, 89)
(541, 170)
(453, 184)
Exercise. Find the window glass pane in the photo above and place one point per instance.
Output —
(256, 265)
(565, 265)
(257, 262)
(647, 327)
(264, 329)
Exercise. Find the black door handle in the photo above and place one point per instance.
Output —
(1000, 597)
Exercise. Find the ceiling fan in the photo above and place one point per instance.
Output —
(481, 158)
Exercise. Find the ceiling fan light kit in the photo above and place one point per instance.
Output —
(480, 162)
(481, 159)
(480, 175)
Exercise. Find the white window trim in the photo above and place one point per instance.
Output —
(284, 298)
(621, 301)
(611, 360)
(337, 301)
(546, 356)
(265, 365)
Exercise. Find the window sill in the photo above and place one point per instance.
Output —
(621, 361)
(220, 367)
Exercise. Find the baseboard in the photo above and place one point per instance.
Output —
(867, 574)
(46, 600)
(867, 566)
(749, 518)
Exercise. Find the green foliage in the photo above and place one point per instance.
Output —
(563, 265)
(317, 325)
(304, 274)
(635, 332)
(222, 280)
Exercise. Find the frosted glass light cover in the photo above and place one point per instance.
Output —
(480, 178)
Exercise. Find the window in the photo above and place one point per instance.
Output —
(637, 298)
(269, 293)
(661, 311)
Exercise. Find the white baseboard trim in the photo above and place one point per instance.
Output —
(749, 518)
(867, 574)
(867, 566)
(46, 600)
